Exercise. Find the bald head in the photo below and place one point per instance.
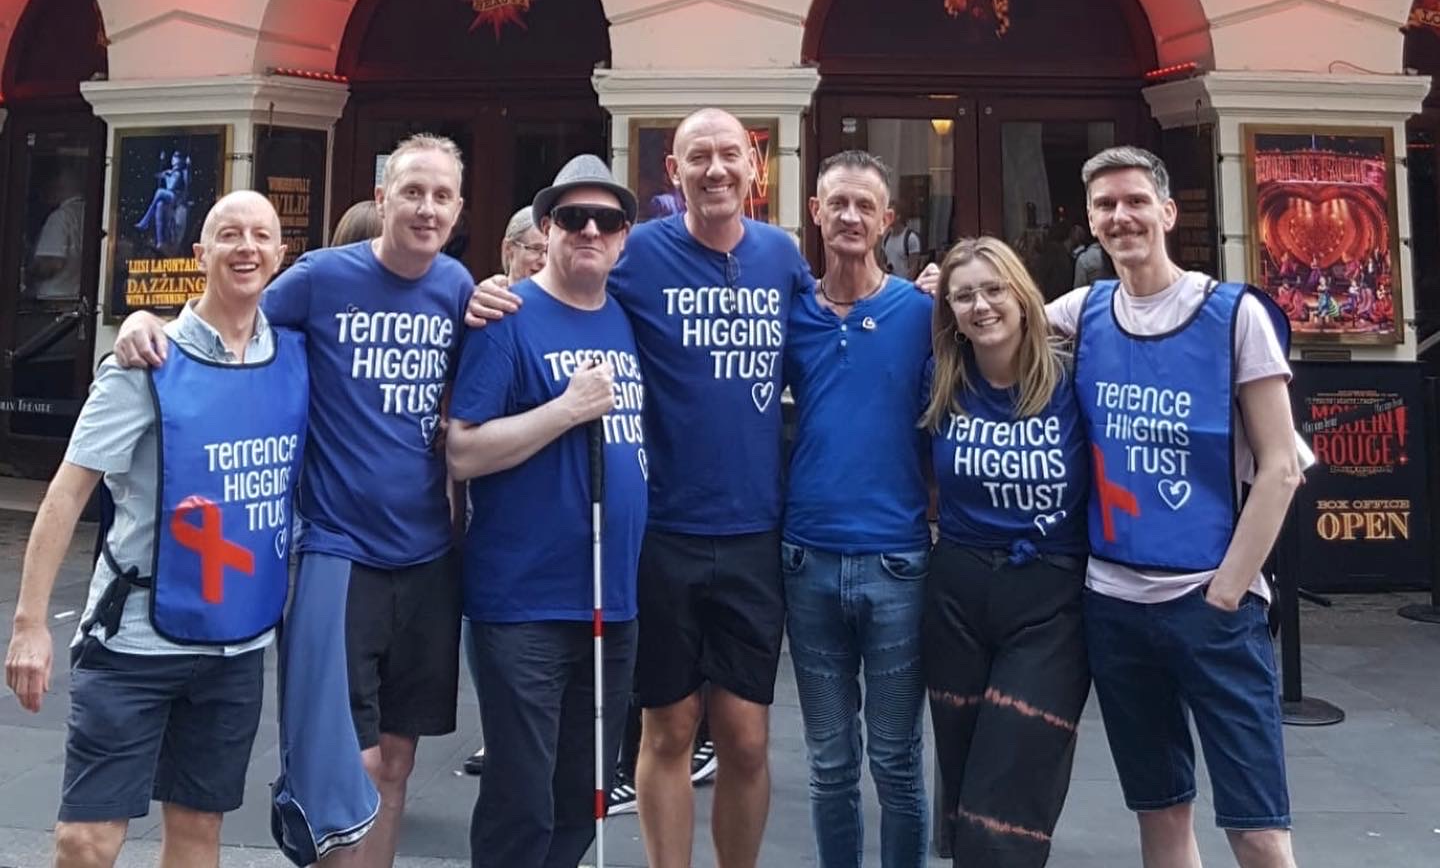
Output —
(705, 121)
(231, 205)
(713, 164)
(240, 248)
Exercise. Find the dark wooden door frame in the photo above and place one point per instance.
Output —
(491, 119)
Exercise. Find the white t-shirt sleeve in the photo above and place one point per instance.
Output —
(1258, 353)
(1064, 312)
(54, 239)
(912, 241)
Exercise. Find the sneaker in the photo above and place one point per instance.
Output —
(702, 762)
(622, 799)
(475, 763)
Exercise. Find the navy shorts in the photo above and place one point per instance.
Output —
(176, 728)
(1152, 662)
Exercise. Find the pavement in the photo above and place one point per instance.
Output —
(1365, 792)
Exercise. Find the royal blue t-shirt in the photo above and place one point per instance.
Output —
(1003, 479)
(528, 553)
(711, 330)
(381, 349)
(857, 482)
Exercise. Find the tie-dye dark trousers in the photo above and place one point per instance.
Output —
(1003, 651)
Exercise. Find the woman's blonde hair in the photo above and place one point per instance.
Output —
(1040, 364)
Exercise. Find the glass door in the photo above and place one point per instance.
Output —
(48, 288)
(1031, 151)
(1007, 167)
(929, 145)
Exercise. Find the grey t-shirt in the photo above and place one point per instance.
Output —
(116, 434)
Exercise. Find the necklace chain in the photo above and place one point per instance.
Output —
(820, 285)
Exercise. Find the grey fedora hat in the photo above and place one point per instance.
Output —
(584, 170)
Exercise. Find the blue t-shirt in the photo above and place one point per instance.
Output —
(528, 551)
(857, 482)
(1003, 479)
(711, 330)
(381, 349)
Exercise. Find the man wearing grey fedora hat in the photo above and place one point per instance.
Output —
(526, 390)
(708, 293)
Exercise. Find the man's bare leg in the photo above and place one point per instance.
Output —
(189, 838)
(664, 794)
(1262, 848)
(741, 730)
(89, 845)
(1167, 837)
(389, 765)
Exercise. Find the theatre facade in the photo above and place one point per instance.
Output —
(1301, 135)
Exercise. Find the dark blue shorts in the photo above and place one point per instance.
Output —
(1153, 662)
(175, 728)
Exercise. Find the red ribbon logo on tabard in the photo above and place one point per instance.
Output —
(208, 540)
(498, 13)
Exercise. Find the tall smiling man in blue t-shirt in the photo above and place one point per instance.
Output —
(708, 294)
(856, 545)
(526, 390)
(382, 325)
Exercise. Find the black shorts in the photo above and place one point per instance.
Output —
(177, 728)
(402, 649)
(712, 609)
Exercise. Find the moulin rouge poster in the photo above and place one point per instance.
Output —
(1323, 231)
(1361, 511)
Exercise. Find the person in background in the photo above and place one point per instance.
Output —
(360, 222)
(522, 254)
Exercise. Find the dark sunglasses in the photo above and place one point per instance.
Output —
(573, 218)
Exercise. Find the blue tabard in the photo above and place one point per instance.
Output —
(231, 440)
(1160, 413)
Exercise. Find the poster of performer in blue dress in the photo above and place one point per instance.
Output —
(165, 181)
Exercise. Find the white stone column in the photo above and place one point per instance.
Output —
(1312, 100)
(783, 94)
(239, 102)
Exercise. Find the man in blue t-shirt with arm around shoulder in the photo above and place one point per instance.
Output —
(856, 546)
(382, 319)
(527, 389)
(708, 294)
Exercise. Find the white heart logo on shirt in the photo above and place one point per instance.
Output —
(1044, 522)
(281, 539)
(761, 393)
(1174, 493)
(644, 463)
(428, 425)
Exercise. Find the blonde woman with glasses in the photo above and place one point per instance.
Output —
(1003, 649)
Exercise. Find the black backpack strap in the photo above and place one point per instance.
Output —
(112, 603)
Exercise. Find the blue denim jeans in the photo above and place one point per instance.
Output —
(845, 611)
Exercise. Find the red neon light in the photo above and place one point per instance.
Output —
(310, 74)
(1167, 71)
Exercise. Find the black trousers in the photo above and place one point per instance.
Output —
(537, 696)
(1004, 656)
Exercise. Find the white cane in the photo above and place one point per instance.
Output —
(597, 522)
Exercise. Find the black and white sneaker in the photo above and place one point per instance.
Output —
(702, 762)
(622, 798)
(475, 763)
